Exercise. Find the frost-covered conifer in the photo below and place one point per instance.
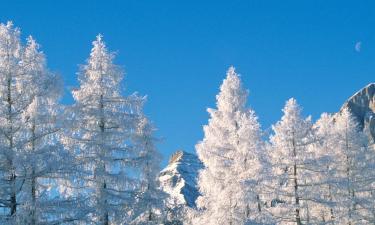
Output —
(322, 209)
(353, 172)
(30, 154)
(11, 106)
(230, 152)
(43, 158)
(291, 161)
(100, 132)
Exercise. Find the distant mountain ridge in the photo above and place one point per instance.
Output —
(179, 178)
(362, 106)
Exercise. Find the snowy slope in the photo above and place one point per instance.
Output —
(362, 106)
(178, 179)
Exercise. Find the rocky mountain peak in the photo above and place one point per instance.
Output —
(362, 106)
(177, 156)
(179, 178)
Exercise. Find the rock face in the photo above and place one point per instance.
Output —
(362, 106)
(179, 178)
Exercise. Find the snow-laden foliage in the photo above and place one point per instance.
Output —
(346, 177)
(351, 173)
(291, 165)
(100, 134)
(107, 166)
(114, 146)
(324, 149)
(44, 160)
(230, 152)
(31, 157)
(148, 208)
(12, 101)
(323, 174)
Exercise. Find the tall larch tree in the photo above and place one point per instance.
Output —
(102, 124)
(230, 153)
(14, 99)
(353, 171)
(325, 152)
(291, 159)
(43, 158)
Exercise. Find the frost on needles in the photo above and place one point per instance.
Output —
(93, 162)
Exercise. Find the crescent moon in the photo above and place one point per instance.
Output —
(358, 46)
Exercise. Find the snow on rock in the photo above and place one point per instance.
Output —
(362, 106)
(179, 178)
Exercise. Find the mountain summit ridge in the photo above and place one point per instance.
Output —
(179, 178)
(362, 106)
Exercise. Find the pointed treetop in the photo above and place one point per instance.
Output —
(99, 46)
(99, 37)
(10, 27)
(292, 118)
(99, 43)
(31, 42)
(292, 107)
(232, 96)
(9, 24)
(10, 40)
(33, 58)
(231, 71)
(347, 119)
(344, 116)
(99, 73)
(100, 58)
(32, 47)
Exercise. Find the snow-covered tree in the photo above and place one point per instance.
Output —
(230, 152)
(11, 106)
(43, 159)
(322, 209)
(100, 132)
(28, 96)
(353, 171)
(291, 161)
(344, 172)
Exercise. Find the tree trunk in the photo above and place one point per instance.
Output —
(259, 205)
(296, 197)
(102, 130)
(13, 197)
(330, 208)
(33, 180)
(33, 198)
(13, 176)
(295, 173)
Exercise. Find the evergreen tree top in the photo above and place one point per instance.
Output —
(232, 96)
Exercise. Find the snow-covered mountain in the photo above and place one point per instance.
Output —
(178, 179)
(362, 106)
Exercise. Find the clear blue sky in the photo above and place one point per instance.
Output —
(177, 52)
